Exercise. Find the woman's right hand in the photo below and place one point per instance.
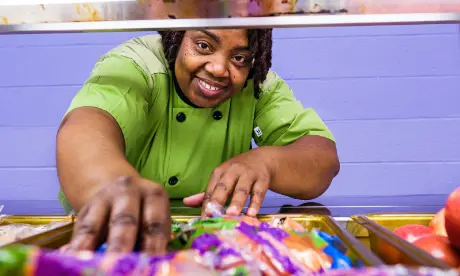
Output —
(122, 212)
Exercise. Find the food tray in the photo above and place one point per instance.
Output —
(375, 231)
(356, 250)
(39, 220)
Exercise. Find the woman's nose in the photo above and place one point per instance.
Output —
(218, 67)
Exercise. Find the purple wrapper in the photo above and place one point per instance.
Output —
(206, 242)
(51, 264)
(217, 254)
(225, 252)
(284, 261)
(277, 233)
(129, 264)
(88, 263)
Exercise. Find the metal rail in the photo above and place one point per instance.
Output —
(287, 21)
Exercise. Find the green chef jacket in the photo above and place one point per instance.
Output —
(175, 144)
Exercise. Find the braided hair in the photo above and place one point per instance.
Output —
(260, 45)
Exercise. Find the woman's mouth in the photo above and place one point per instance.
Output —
(209, 89)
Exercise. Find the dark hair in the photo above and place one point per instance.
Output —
(260, 44)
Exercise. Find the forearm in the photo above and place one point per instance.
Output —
(89, 153)
(305, 168)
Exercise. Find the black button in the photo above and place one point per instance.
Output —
(180, 117)
(217, 115)
(173, 180)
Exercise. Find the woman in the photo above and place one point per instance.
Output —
(173, 116)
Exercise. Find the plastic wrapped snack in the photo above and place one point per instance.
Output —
(275, 250)
(31, 261)
(219, 245)
(13, 232)
(247, 245)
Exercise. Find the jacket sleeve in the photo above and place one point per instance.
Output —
(281, 119)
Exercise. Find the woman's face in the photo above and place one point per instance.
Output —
(213, 65)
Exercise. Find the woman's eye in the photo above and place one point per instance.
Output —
(203, 45)
(240, 59)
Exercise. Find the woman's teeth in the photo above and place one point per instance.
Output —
(208, 86)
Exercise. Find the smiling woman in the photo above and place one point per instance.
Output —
(173, 116)
(250, 58)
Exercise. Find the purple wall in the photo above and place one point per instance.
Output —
(391, 95)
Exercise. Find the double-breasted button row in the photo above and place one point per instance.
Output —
(181, 117)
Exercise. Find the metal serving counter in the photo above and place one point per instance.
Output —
(363, 224)
(335, 206)
(54, 16)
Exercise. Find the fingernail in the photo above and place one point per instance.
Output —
(252, 212)
(232, 210)
(213, 209)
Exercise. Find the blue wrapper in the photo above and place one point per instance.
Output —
(334, 241)
(339, 260)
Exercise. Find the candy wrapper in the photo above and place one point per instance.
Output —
(275, 250)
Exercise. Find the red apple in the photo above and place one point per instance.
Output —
(387, 252)
(452, 218)
(437, 223)
(412, 232)
(439, 247)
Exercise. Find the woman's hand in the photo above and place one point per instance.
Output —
(246, 175)
(119, 212)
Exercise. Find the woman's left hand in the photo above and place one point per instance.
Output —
(243, 176)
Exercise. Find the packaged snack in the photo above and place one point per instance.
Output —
(90, 263)
(14, 232)
(212, 246)
(278, 251)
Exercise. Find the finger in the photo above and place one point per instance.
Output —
(240, 195)
(88, 230)
(215, 177)
(194, 200)
(124, 218)
(156, 221)
(257, 197)
(223, 189)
